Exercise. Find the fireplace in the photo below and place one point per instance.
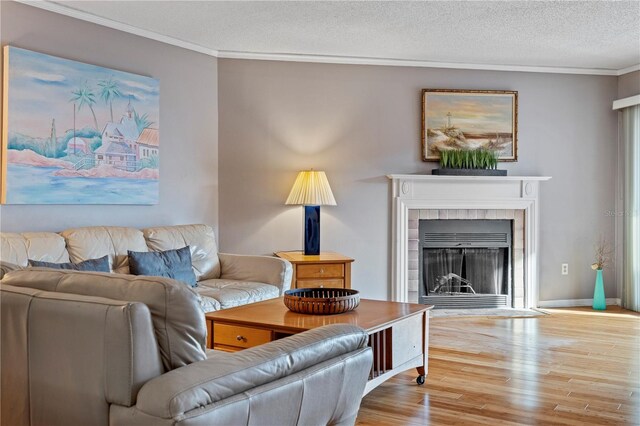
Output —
(465, 263)
(418, 196)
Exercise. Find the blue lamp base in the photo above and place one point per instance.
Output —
(311, 230)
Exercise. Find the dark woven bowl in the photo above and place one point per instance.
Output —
(321, 301)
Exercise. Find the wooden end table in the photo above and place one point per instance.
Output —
(327, 269)
(398, 332)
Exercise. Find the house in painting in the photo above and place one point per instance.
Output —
(126, 131)
(78, 146)
(118, 155)
(148, 143)
(123, 146)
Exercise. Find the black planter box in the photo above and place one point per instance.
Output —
(468, 172)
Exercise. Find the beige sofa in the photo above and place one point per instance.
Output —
(224, 280)
(82, 348)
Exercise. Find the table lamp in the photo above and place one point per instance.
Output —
(311, 190)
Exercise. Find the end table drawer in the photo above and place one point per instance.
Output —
(329, 283)
(320, 271)
(238, 336)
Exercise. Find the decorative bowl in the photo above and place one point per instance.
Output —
(321, 301)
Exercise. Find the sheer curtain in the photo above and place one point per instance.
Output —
(631, 242)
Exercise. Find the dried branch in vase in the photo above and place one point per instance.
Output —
(603, 253)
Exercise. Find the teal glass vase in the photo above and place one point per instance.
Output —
(599, 301)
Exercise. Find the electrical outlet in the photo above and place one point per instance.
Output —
(565, 269)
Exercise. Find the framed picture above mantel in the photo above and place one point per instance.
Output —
(469, 119)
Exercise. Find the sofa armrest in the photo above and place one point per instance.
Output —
(263, 269)
(6, 267)
(225, 375)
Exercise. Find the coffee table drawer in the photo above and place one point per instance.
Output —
(239, 336)
(320, 271)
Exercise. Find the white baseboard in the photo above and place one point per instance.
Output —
(573, 302)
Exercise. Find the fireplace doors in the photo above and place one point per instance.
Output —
(465, 263)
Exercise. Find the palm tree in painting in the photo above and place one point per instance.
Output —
(108, 92)
(142, 121)
(85, 96)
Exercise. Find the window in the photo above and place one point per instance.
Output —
(631, 222)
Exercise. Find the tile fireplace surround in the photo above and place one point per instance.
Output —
(417, 197)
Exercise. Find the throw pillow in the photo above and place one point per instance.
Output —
(174, 264)
(90, 265)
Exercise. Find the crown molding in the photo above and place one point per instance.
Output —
(628, 70)
(288, 57)
(84, 16)
(349, 60)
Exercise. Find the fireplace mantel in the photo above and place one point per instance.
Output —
(472, 178)
(416, 191)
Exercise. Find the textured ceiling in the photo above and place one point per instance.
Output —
(577, 34)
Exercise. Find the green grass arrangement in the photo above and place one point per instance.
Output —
(469, 159)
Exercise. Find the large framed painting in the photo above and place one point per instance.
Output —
(75, 133)
(469, 119)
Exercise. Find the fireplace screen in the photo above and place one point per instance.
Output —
(473, 271)
(465, 263)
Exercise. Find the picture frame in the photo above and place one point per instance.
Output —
(469, 119)
(77, 133)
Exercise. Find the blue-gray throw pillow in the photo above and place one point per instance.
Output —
(90, 265)
(174, 264)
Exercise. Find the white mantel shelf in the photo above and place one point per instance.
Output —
(421, 191)
(472, 178)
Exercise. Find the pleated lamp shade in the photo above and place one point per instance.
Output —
(311, 188)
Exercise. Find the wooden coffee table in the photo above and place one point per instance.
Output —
(398, 332)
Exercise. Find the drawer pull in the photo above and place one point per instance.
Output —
(240, 338)
(322, 270)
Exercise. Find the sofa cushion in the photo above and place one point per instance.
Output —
(97, 241)
(178, 321)
(92, 265)
(200, 239)
(209, 304)
(230, 293)
(43, 246)
(174, 264)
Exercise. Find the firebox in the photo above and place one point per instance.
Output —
(465, 263)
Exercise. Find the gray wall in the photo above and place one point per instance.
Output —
(188, 119)
(359, 123)
(629, 85)
(356, 122)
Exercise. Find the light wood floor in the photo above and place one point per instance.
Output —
(574, 366)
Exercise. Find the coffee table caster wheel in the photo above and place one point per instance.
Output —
(420, 380)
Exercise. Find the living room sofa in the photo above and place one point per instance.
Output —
(224, 280)
(86, 348)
